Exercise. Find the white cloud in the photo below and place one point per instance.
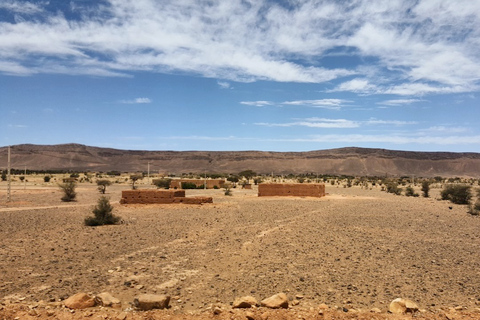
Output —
(224, 85)
(260, 103)
(322, 103)
(335, 123)
(315, 123)
(20, 7)
(398, 102)
(137, 101)
(415, 47)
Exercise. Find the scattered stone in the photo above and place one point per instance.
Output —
(299, 297)
(151, 301)
(121, 316)
(277, 301)
(400, 306)
(244, 302)
(323, 306)
(264, 316)
(250, 315)
(80, 301)
(107, 300)
(295, 302)
(375, 310)
(217, 310)
(50, 313)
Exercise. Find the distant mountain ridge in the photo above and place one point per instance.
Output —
(347, 161)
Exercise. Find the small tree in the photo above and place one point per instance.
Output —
(135, 178)
(392, 187)
(426, 188)
(228, 189)
(46, 179)
(4, 176)
(102, 185)
(68, 189)
(21, 178)
(102, 214)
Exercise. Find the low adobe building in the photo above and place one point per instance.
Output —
(160, 196)
(291, 189)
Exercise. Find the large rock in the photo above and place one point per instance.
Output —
(277, 301)
(400, 306)
(80, 301)
(244, 302)
(151, 301)
(107, 300)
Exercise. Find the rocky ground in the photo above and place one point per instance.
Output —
(354, 250)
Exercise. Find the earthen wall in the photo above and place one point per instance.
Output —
(291, 189)
(160, 196)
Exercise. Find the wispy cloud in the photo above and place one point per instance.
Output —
(335, 123)
(260, 103)
(137, 101)
(224, 84)
(315, 123)
(18, 126)
(322, 103)
(416, 47)
(399, 102)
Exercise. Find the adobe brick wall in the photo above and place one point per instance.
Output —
(177, 183)
(291, 189)
(160, 196)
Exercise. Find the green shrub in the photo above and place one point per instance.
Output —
(392, 187)
(456, 193)
(425, 189)
(46, 179)
(228, 189)
(189, 185)
(4, 175)
(68, 189)
(410, 192)
(102, 214)
(162, 183)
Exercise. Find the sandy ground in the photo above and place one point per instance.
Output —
(355, 250)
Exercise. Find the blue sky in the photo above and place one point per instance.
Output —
(241, 75)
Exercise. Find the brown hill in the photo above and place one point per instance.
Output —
(347, 161)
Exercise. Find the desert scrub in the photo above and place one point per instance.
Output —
(68, 189)
(102, 214)
(425, 188)
(392, 187)
(162, 183)
(410, 192)
(457, 193)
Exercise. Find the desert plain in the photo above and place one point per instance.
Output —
(354, 250)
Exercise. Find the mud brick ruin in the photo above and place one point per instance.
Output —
(211, 183)
(291, 189)
(160, 196)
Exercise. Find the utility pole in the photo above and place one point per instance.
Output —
(205, 185)
(25, 179)
(148, 172)
(9, 180)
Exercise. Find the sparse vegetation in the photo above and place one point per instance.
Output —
(102, 214)
(103, 184)
(392, 187)
(162, 183)
(135, 178)
(189, 185)
(457, 193)
(410, 192)
(46, 179)
(228, 189)
(425, 189)
(4, 176)
(68, 189)
(474, 209)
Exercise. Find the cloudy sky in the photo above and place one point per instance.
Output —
(284, 75)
